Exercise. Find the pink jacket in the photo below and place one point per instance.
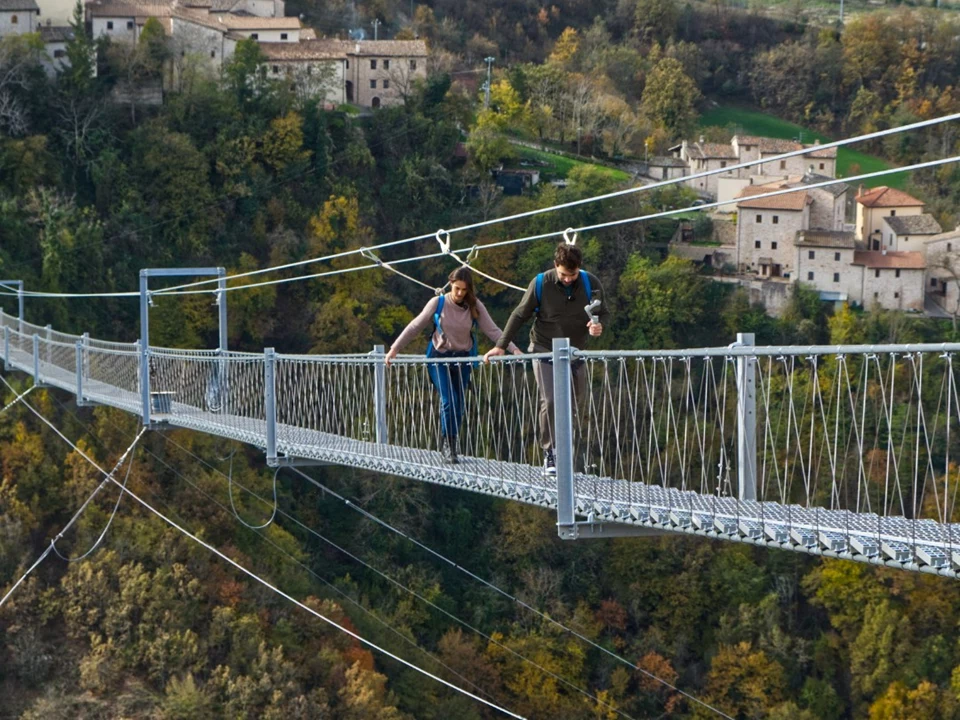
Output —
(457, 325)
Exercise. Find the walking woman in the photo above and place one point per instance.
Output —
(456, 316)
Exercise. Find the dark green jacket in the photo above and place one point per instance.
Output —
(560, 316)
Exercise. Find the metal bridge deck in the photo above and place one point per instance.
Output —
(922, 545)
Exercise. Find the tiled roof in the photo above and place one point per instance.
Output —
(890, 259)
(953, 235)
(821, 153)
(10, 5)
(884, 196)
(788, 201)
(303, 50)
(837, 189)
(388, 48)
(308, 33)
(703, 151)
(776, 145)
(826, 238)
(56, 33)
(253, 22)
(748, 139)
(666, 161)
(128, 10)
(924, 224)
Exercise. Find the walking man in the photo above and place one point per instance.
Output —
(557, 298)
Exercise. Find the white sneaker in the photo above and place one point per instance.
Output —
(549, 464)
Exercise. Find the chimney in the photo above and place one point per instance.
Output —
(701, 140)
(358, 48)
(816, 141)
(883, 251)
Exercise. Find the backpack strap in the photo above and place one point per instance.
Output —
(436, 315)
(539, 290)
(586, 284)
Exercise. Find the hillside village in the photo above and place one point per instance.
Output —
(367, 73)
(868, 247)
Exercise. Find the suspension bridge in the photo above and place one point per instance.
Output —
(842, 451)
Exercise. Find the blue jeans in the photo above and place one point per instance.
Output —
(452, 380)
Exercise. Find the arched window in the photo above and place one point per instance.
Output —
(375, 102)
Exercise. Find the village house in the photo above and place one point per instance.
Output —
(891, 280)
(825, 262)
(703, 157)
(317, 68)
(382, 72)
(766, 228)
(665, 167)
(873, 206)
(942, 281)
(18, 17)
(896, 232)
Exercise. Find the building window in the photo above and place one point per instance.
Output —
(723, 163)
(13, 20)
(276, 69)
(254, 36)
(821, 166)
(373, 84)
(413, 64)
(283, 36)
(386, 84)
(836, 257)
(836, 277)
(897, 273)
(876, 295)
(896, 294)
(893, 213)
(756, 244)
(373, 64)
(386, 64)
(776, 219)
(811, 254)
(809, 276)
(213, 53)
(129, 24)
(348, 64)
(759, 218)
(59, 53)
(783, 164)
(933, 282)
(309, 69)
(109, 24)
(773, 245)
(876, 273)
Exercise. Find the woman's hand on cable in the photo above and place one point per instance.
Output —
(517, 351)
(390, 356)
(493, 352)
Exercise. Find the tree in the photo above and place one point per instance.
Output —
(18, 61)
(77, 74)
(743, 682)
(659, 301)
(656, 19)
(670, 97)
(565, 50)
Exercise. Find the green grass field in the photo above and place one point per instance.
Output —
(560, 165)
(753, 122)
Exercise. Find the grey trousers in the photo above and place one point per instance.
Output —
(543, 372)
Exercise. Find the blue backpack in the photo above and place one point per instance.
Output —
(539, 288)
(436, 322)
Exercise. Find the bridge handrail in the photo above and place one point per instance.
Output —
(773, 350)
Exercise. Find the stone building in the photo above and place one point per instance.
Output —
(896, 232)
(825, 262)
(891, 280)
(879, 203)
(382, 72)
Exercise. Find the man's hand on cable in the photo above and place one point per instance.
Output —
(595, 328)
(493, 352)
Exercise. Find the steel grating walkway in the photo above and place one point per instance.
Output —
(920, 545)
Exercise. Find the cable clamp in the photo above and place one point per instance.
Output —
(474, 252)
(566, 236)
(370, 255)
(444, 244)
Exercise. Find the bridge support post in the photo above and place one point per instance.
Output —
(6, 348)
(18, 284)
(563, 438)
(79, 364)
(746, 420)
(36, 360)
(380, 394)
(270, 403)
(49, 340)
(144, 349)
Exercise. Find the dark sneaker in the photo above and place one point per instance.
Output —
(449, 450)
(549, 464)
